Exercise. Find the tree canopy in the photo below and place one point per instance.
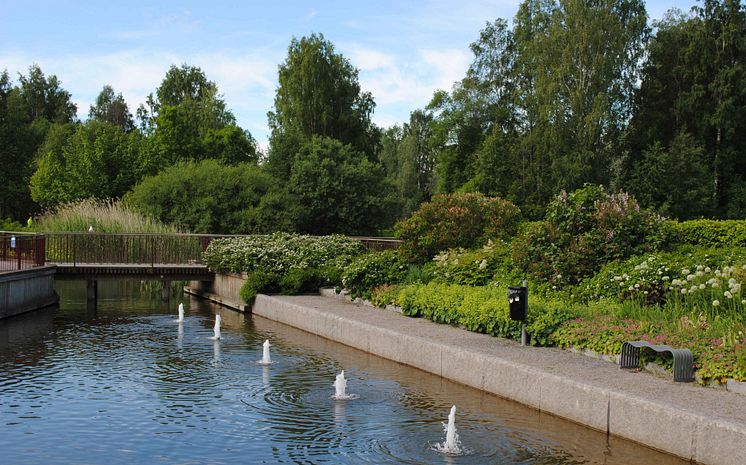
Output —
(318, 95)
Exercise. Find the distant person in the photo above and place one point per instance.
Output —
(30, 222)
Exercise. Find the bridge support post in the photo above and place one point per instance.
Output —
(166, 290)
(91, 294)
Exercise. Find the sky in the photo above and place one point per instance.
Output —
(404, 50)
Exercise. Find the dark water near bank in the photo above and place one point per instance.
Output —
(128, 385)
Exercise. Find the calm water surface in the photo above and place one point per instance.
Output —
(127, 385)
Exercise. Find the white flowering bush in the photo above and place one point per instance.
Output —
(278, 253)
(703, 281)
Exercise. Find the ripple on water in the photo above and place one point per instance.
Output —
(142, 388)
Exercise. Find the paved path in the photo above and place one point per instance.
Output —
(702, 424)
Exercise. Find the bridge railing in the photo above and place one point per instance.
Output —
(20, 250)
(110, 248)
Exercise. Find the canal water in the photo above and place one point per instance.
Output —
(127, 384)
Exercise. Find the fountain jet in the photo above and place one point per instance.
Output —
(266, 359)
(452, 445)
(216, 328)
(340, 388)
(181, 313)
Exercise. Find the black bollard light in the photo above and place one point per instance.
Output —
(518, 304)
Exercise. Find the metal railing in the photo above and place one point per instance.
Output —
(121, 248)
(19, 251)
(25, 250)
(379, 243)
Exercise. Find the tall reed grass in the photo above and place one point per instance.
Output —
(106, 216)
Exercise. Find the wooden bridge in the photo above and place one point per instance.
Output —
(93, 256)
(109, 255)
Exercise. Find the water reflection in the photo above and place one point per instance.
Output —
(112, 387)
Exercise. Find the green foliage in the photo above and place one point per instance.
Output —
(371, 270)
(674, 180)
(27, 111)
(277, 253)
(409, 160)
(93, 159)
(711, 233)
(111, 108)
(456, 220)
(337, 190)
(584, 230)
(703, 281)
(7, 224)
(210, 197)
(259, 282)
(318, 95)
(104, 216)
(386, 294)
(716, 357)
(489, 264)
(482, 309)
(188, 120)
(298, 281)
(690, 113)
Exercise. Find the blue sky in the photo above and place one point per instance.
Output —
(405, 50)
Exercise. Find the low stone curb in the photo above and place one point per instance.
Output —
(703, 425)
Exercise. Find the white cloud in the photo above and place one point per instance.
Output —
(450, 65)
(402, 83)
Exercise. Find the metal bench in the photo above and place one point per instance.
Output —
(683, 369)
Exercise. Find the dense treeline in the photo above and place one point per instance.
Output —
(570, 92)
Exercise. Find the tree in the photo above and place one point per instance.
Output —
(416, 162)
(112, 108)
(17, 145)
(44, 98)
(27, 112)
(338, 190)
(577, 64)
(93, 159)
(694, 83)
(675, 180)
(477, 105)
(209, 197)
(318, 95)
(189, 120)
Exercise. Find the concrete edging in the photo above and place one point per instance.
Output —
(27, 290)
(588, 397)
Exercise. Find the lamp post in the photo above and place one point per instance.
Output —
(518, 301)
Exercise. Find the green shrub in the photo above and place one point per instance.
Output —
(7, 224)
(386, 294)
(299, 281)
(710, 233)
(211, 197)
(584, 230)
(482, 309)
(259, 282)
(488, 264)
(277, 253)
(456, 220)
(371, 270)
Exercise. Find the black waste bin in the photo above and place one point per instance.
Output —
(518, 300)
